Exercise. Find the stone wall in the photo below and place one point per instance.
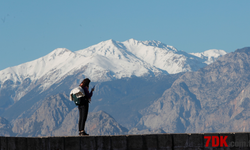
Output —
(129, 142)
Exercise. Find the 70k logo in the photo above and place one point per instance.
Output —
(216, 141)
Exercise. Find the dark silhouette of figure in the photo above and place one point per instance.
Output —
(83, 107)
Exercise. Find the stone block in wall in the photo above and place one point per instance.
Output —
(135, 142)
(3, 143)
(56, 143)
(151, 142)
(229, 140)
(37, 143)
(180, 140)
(72, 143)
(210, 142)
(103, 142)
(165, 141)
(88, 143)
(14, 143)
(242, 140)
(195, 140)
(118, 142)
(11, 143)
(21, 143)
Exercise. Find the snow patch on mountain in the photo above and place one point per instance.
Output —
(114, 57)
(37, 68)
(210, 55)
(163, 56)
(44, 71)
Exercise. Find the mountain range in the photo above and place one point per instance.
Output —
(130, 78)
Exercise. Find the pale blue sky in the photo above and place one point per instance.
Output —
(31, 29)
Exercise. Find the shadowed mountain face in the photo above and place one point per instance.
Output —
(57, 116)
(122, 99)
(212, 99)
(5, 127)
(47, 117)
(98, 123)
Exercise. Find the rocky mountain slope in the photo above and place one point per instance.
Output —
(212, 99)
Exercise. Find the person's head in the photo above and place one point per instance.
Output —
(85, 83)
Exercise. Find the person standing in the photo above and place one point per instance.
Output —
(83, 107)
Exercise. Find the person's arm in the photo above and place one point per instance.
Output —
(87, 94)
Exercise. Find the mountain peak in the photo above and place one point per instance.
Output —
(132, 40)
(60, 51)
(159, 44)
(103, 45)
(110, 41)
(153, 43)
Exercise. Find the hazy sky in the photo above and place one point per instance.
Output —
(31, 29)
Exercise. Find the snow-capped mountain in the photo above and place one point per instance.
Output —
(104, 61)
(145, 69)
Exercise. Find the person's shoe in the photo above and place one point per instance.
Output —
(83, 133)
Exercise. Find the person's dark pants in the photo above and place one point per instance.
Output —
(83, 114)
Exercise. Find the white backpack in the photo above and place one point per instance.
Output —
(76, 94)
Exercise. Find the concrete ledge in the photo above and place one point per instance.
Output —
(130, 142)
